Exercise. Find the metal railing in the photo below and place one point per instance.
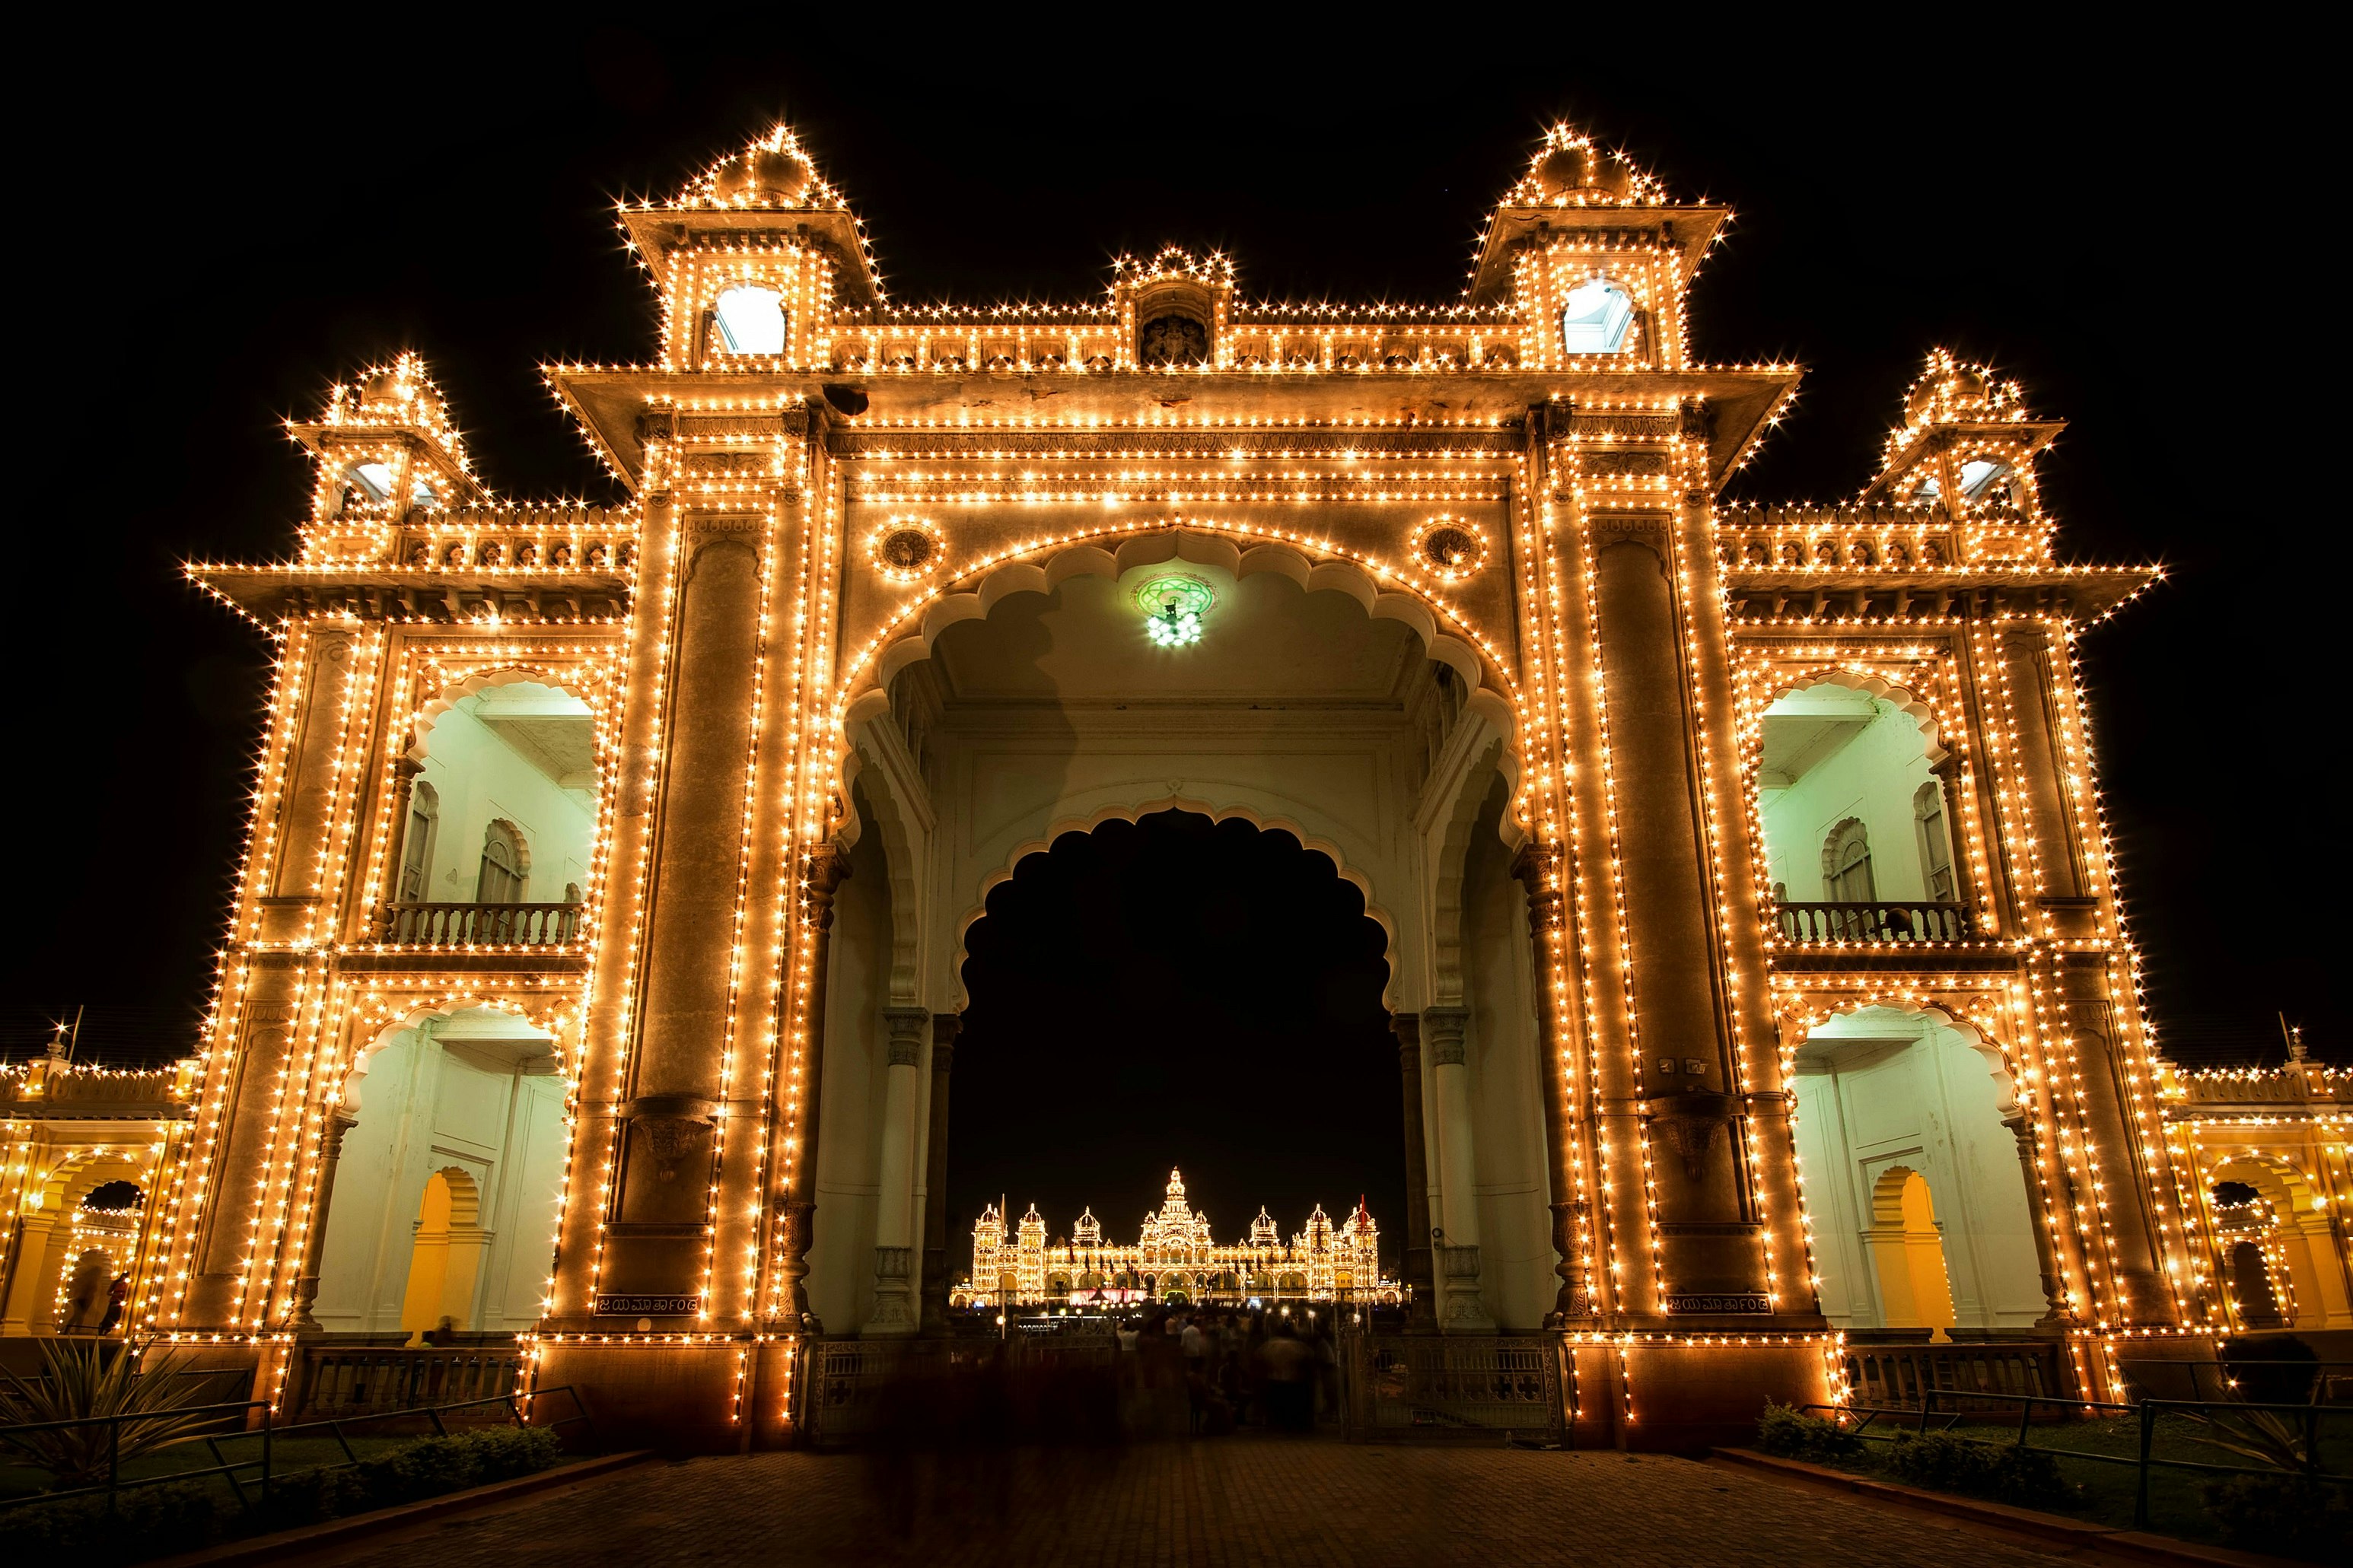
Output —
(480, 925)
(1429, 1386)
(267, 1431)
(2146, 1412)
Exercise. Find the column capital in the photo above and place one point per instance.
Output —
(946, 1027)
(829, 868)
(1444, 1027)
(1407, 1027)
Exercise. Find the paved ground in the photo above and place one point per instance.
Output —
(1243, 1500)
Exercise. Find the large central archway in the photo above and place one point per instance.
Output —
(1318, 718)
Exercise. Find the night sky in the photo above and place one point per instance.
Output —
(220, 223)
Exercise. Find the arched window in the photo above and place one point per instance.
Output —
(1935, 848)
(505, 863)
(1594, 318)
(417, 843)
(751, 320)
(1846, 865)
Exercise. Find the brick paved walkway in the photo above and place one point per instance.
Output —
(1243, 1502)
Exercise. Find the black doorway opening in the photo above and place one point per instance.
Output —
(1176, 991)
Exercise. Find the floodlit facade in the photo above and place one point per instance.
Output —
(1174, 1260)
(1757, 966)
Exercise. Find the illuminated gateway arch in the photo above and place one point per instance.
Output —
(595, 970)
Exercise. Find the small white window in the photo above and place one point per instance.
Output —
(1595, 319)
(1978, 477)
(752, 320)
(376, 477)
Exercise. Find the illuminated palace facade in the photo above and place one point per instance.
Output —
(1757, 968)
(1174, 1260)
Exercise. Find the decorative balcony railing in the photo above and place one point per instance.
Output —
(1917, 921)
(480, 925)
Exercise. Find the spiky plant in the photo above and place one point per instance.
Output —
(79, 1384)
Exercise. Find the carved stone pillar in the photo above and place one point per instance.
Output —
(1450, 1076)
(1537, 866)
(1421, 1313)
(935, 1177)
(404, 790)
(829, 868)
(2056, 1314)
(1711, 1248)
(2099, 1081)
(306, 1288)
(894, 1219)
(657, 1243)
(2037, 775)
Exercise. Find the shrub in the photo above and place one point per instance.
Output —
(1795, 1435)
(2294, 1514)
(86, 1382)
(174, 1516)
(179, 1516)
(2011, 1473)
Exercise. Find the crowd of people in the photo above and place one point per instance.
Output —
(1202, 1372)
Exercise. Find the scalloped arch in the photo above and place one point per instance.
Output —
(1089, 822)
(84, 1170)
(1384, 591)
(385, 1026)
(1923, 712)
(1985, 1042)
(2284, 1175)
(429, 712)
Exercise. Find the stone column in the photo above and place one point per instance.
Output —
(894, 1219)
(2036, 773)
(1450, 1077)
(935, 1177)
(1537, 866)
(306, 1288)
(828, 867)
(30, 1254)
(1711, 1248)
(657, 1244)
(1420, 1280)
(2126, 1178)
(404, 790)
(2056, 1314)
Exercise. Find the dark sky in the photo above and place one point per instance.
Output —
(222, 222)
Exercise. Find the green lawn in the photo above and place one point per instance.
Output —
(2175, 1507)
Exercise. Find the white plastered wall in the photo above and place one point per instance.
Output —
(1873, 777)
(1878, 1088)
(479, 778)
(477, 1093)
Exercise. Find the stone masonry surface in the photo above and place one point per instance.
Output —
(1248, 1502)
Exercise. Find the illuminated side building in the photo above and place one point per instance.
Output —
(1755, 965)
(1174, 1260)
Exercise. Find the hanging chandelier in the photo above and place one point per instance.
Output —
(1173, 605)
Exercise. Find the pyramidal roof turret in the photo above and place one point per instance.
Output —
(769, 193)
(1573, 185)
